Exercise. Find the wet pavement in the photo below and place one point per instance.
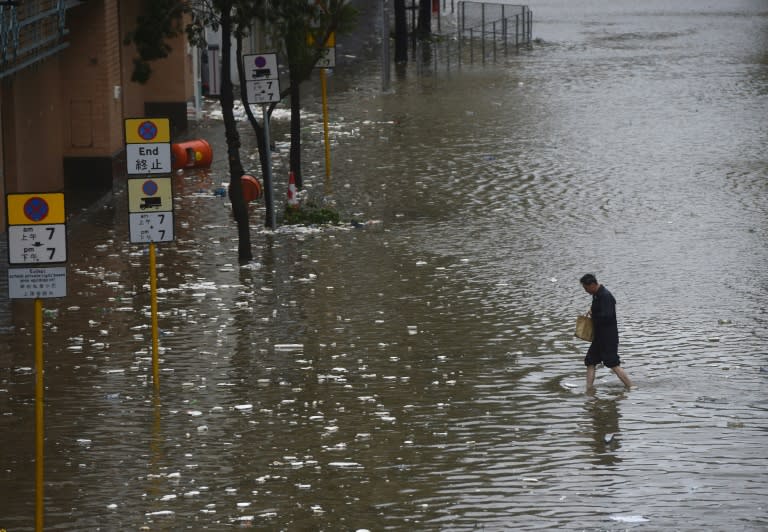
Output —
(417, 370)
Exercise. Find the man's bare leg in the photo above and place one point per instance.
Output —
(590, 377)
(621, 374)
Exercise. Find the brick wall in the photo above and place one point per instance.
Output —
(90, 71)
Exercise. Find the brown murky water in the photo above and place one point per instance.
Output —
(419, 372)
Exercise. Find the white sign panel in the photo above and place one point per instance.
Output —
(146, 227)
(260, 66)
(34, 283)
(150, 158)
(327, 59)
(266, 91)
(30, 244)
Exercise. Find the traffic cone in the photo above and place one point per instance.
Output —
(293, 200)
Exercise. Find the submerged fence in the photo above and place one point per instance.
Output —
(474, 31)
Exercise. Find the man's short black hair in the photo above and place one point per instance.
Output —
(588, 279)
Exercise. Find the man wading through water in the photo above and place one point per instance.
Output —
(605, 343)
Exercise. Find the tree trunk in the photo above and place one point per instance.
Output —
(295, 157)
(227, 99)
(425, 19)
(401, 32)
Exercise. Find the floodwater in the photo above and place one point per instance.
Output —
(417, 371)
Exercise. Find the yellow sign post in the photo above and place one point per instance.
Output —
(39, 429)
(326, 61)
(150, 202)
(37, 239)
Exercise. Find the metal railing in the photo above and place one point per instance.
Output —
(483, 31)
(31, 31)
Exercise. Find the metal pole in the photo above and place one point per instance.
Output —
(461, 33)
(268, 186)
(39, 439)
(323, 83)
(494, 41)
(153, 306)
(471, 47)
(482, 30)
(385, 60)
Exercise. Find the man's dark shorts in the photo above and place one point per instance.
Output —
(594, 358)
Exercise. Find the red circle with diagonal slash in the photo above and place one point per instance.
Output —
(36, 209)
(147, 130)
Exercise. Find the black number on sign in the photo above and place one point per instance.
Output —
(51, 231)
(162, 217)
(162, 234)
(52, 252)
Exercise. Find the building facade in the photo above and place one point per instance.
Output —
(65, 89)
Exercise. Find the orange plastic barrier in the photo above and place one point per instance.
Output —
(191, 154)
(252, 189)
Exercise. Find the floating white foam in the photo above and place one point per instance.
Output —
(289, 347)
(629, 518)
(344, 465)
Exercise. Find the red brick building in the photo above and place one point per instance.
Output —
(65, 88)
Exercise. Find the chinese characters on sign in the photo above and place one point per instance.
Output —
(37, 243)
(148, 146)
(37, 234)
(150, 196)
(151, 227)
(33, 283)
(145, 159)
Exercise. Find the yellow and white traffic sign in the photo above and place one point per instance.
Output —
(150, 195)
(34, 244)
(147, 130)
(328, 57)
(148, 146)
(145, 159)
(28, 209)
(148, 227)
(37, 234)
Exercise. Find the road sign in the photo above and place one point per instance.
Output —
(26, 209)
(146, 227)
(260, 66)
(150, 195)
(34, 283)
(147, 130)
(30, 244)
(263, 91)
(143, 159)
(327, 59)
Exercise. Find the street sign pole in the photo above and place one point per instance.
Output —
(324, 84)
(39, 428)
(268, 178)
(37, 253)
(150, 202)
(153, 306)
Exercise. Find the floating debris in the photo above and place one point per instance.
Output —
(629, 518)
